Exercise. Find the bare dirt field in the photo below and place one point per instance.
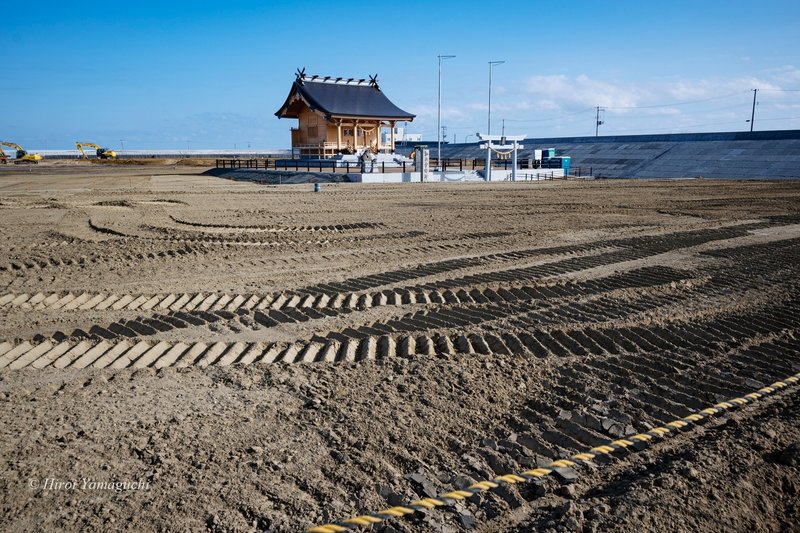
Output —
(180, 352)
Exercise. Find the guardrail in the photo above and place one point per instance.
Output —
(505, 164)
(527, 175)
(540, 176)
(315, 165)
(143, 154)
(322, 165)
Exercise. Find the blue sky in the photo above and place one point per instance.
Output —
(211, 75)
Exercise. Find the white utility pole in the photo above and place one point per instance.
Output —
(439, 114)
(491, 65)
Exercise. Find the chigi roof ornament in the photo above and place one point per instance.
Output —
(301, 77)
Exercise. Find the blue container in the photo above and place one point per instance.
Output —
(566, 163)
(317, 187)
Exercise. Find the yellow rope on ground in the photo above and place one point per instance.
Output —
(637, 442)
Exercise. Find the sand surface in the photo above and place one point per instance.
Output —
(251, 357)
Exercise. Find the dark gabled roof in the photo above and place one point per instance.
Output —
(341, 98)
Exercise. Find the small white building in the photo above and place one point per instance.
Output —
(400, 136)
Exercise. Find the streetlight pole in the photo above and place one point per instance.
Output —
(753, 114)
(439, 114)
(491, 66)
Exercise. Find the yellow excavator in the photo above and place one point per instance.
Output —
(102, 153)
(22, 155)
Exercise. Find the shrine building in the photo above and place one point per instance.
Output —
(339, 116)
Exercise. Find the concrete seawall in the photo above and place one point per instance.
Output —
(756, 155)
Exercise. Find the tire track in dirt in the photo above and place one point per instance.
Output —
(177, 311)
(282, 228)
(604, 363)
(509, 303)
(234, 314)
(591, 399)
(199, 248)
(641, 247)
(370, 281)
(33, 261)
(124, 247)
(398, 339)
(433, 293)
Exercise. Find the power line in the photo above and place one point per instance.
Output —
(627, 107)
(780, 118)
(654, 106)
(632, 117)
(682, 126)
(688, 102)
(551, 118)
(651, 116)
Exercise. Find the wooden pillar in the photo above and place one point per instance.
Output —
(339, 135)
(391, 124)
(378, 136)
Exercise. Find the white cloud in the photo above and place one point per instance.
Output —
(560, 104)
(449, 112)
(581, 90)
(788, 74)
(567, 92)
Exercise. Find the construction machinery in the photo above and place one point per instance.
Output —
(102, 153)
(22, 155)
